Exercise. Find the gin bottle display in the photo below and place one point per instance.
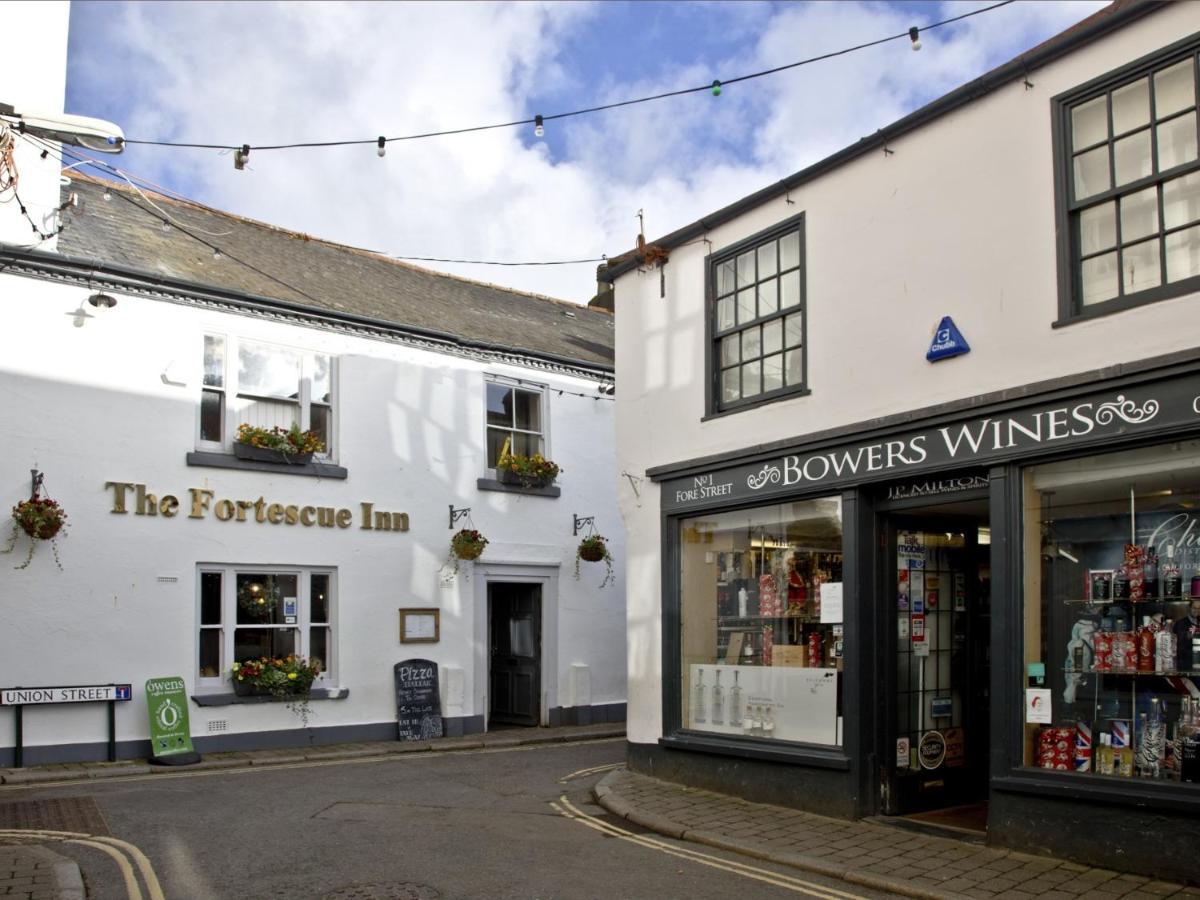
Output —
(718, 702)
(1172, 578)
(735, 702)
(699, 698)
(768, 722)
(1152, 745)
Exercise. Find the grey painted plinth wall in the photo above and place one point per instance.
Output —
(1159, 843)
(827, 792)
(57, 754)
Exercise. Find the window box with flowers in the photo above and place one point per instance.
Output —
(290, 446)
(526, 471)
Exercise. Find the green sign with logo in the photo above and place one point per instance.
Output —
(170, 735)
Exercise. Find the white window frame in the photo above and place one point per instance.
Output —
(529, 387)
(229, 573)
(233, 402)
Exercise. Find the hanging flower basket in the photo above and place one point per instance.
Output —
(594, 548)
(468, 544)
(42, 519)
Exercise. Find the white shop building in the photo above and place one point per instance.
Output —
(921, 431)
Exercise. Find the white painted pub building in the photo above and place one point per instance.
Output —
(130, 355)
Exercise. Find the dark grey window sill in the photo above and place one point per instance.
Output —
(229, 698)
(797, 754)
(229, 461)
(733, 410)
(1139, 792)
(491, 484)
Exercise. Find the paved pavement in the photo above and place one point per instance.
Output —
(881, 857)
(30, 871)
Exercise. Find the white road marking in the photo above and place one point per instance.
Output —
(592, 771)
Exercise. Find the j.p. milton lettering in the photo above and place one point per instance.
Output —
(130, 497)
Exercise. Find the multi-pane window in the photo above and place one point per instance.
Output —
(515, 417)
(250, 612)
(758, 318)
(266, 386)
(1133, 185)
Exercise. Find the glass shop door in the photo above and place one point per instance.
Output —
(936, 589)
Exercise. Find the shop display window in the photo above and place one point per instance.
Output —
(1112, 615)
(761, 624)
(247, 613)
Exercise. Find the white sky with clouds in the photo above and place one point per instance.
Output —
(263, 73)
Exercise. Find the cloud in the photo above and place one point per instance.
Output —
(276, 73)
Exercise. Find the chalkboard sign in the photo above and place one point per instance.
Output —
(418, 702)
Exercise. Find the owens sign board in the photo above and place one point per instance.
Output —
(1164, 407)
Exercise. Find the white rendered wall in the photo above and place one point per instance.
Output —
(33, 77)
(88, 405)
(960, 222)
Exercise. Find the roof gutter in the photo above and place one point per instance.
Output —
(961, 96)
(134, 279)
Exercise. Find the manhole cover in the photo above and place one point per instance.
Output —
(80, 814)
(384, 890)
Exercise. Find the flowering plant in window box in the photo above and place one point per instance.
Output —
(526, 471)
(594, 548)
(468, 544)
(42, 519)
(284, 678)
(278, 444)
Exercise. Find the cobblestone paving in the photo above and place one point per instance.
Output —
(876, 856)
(28, 873)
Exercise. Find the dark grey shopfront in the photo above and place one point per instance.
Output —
(986, 487)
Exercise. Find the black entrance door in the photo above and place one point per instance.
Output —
(516, 653)
(936, 579)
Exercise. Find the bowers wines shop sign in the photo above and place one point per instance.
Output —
(1167, 406)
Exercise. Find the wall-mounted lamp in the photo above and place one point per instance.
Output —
(101, 300)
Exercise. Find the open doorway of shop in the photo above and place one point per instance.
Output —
(936, 578)
(515, 655)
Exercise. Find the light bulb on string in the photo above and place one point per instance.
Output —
(716, 88)
(166, 226)
(240, 157)
(381, 148)
(216, 253)
(107, 195)
(913, 34)
(539, 130)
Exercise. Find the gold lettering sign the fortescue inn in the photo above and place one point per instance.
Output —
(127, 495)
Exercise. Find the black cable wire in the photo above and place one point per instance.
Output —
(108, 169)
(577, 112)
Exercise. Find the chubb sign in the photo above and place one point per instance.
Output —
(200, 503)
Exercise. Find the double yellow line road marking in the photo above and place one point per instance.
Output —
(564, 807)
(120, 851)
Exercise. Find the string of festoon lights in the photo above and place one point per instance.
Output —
(241, 152)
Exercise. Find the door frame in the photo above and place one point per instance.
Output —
(888, 515)
(546, 577)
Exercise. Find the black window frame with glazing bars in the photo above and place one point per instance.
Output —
(714, 335)
(1069, 211)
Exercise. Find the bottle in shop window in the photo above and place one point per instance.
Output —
(1120, 585)
(1172, 578)
(735, 702)
(718, 702)
(1145, 646)
(1151, 743)
(1150, 573)
(768, 726)
(1104, 755)
(699, 698)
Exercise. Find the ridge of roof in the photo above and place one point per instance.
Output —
(303, 236)
(1088, 29)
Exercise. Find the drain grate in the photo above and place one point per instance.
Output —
(384, 890)
(79, 814)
